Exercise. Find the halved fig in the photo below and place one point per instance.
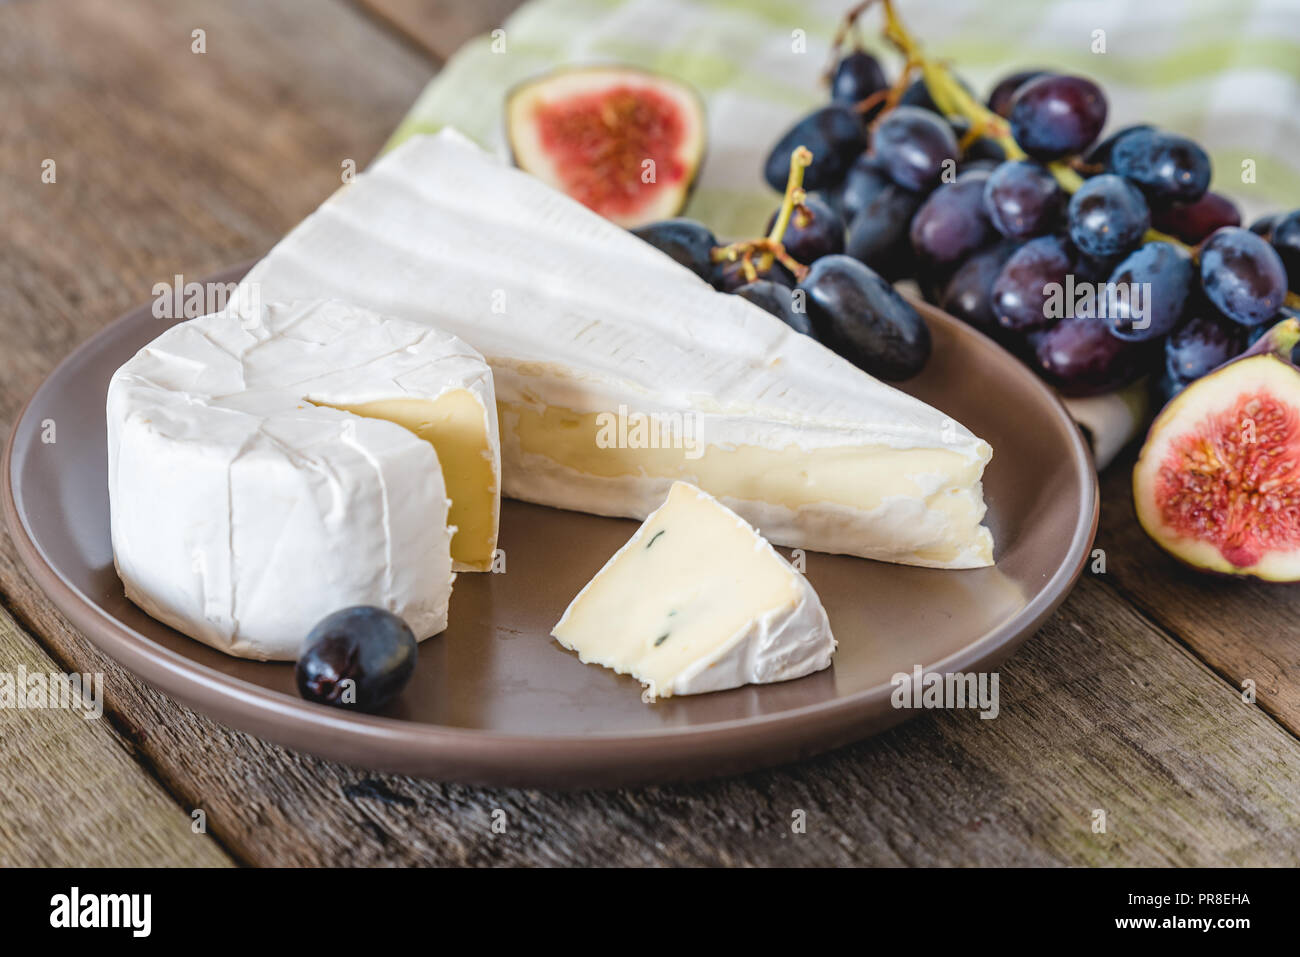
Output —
(623, 141)
(1217, 484)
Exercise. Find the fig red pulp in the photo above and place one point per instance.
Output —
(1233, 482)
(601, 141)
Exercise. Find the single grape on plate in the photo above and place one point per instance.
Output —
(360, 657)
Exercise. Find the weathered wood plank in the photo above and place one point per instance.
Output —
(169, 161)
(439, 27)
(1246, 631)
(72, 794)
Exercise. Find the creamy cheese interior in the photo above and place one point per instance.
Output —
(854, 476)
(455, 425)
(691, 579)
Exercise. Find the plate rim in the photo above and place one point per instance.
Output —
(214, 693)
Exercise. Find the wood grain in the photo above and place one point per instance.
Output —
(170, 162)
(73, 794)
(1245, 631)
(439, 27)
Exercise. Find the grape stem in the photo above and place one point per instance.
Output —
(848, 26)
(769, 248)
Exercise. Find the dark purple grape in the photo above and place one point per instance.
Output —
(878, 234)
(1242, 275)
(1154, 283)
(1286, 240)
(865, 180)
(857, 76)
(1166, 167)
(968, 294)
(779, 301)
(834, 135)
(914, 146)
(1192, 222)
(1023, 199)
(1202, 344)
(1033, 278)
(1099, 155)
(981, 148)
(1054, 115)
(1000, 99)
(859, 314)
(816, 230)
(360, 658)
(951, 223)
(729, 275)
(1080, 357)
(1107, 216)
(685, 240)
(1264, 225)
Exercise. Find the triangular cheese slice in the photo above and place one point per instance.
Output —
(618, 371)
(697, 601)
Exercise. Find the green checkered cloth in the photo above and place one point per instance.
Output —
(1225, 74)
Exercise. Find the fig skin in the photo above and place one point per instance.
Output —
(1267, 365)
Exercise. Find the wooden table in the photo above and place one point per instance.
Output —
(168, 161)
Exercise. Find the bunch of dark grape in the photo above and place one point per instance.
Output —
(1096, 260)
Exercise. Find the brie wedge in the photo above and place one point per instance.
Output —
(267, 470)
(697, 601)
(619, 371)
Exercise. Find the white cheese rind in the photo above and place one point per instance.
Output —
(574, 313)
(774, 647)
(778, 643)
(242, 513)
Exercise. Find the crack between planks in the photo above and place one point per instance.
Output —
(390, 26)
(1155, 624)
(136, 753)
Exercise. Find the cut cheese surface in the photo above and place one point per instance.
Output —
(456, 425)
(698, 601)
(583, 323)
(248, 500)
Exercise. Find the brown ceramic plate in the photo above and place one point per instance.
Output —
(494, 700)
